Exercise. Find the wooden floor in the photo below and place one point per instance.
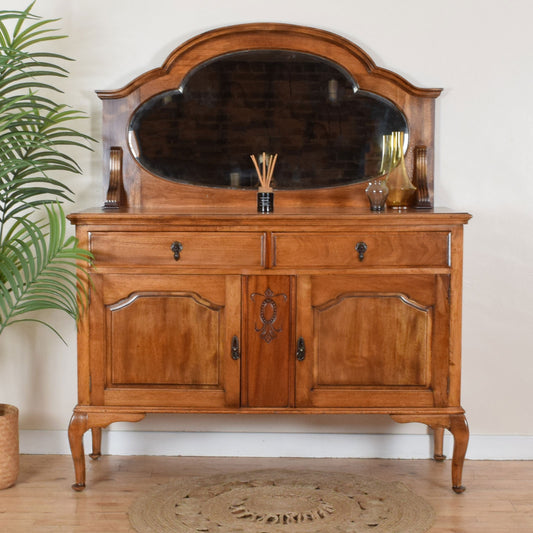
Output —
(499, 496)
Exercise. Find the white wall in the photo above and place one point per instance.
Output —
(479, 51)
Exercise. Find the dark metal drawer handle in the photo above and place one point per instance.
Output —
(235, 348)
(176, 247)
(361, 248)
(300, 349)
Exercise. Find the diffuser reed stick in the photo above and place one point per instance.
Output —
(266, 172)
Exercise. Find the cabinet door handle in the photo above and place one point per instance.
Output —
(300, 349)
(176, 247)
(235, 348)
(361, 248)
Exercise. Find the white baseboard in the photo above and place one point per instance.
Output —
(240, 444)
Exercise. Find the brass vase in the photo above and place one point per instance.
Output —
(401, 189)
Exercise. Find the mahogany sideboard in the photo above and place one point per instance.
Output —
(199, 304)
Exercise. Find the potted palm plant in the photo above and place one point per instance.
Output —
(40, 264)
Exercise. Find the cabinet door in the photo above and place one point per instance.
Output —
(268, 369)
(373, 341)
(167, 340)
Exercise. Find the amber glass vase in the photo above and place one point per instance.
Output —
(401, 189)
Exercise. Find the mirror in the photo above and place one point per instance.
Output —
(326, 131)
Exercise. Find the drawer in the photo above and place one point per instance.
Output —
(335, 250)
(192, 248)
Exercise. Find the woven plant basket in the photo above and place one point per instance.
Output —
(9, 445)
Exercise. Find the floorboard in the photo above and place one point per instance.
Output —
(498, 499)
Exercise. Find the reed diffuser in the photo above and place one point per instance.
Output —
(265, 171)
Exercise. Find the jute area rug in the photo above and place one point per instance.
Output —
(281, 501)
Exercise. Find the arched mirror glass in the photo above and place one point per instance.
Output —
(326, 131)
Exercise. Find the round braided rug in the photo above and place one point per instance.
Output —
(276, 501)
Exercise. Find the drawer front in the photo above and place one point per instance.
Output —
(178, 248)
(335, 250)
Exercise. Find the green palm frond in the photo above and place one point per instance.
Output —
(34, 130)
(41, 267)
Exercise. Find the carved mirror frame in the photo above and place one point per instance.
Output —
(130, 185)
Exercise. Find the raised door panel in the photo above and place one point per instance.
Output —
(168, 341)
(164, 339)
(372, 341)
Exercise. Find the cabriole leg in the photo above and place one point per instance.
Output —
(457, 425)
(79, 424)
(459, 429)
(76, 429)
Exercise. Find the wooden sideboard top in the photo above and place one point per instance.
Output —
(248, 216)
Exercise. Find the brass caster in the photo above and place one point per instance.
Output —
(459, 490)
(439, 458)
(78, 487)
(95, 456)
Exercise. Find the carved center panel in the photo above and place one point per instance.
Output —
(268, 314)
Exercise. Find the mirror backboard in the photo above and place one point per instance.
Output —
(180, 136)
